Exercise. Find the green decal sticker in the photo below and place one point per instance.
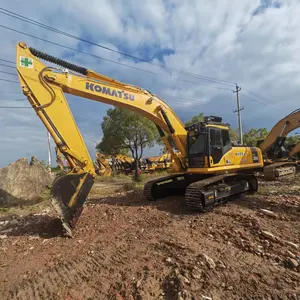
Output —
(26, 62)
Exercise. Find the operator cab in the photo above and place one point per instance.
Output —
(205, 139)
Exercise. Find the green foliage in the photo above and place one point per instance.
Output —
(252, 136)
(124, 130)
(195, 119)
(292, 140)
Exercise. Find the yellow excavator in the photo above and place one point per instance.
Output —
(104, 163)
(102, 166)
(278, 160)
(209, 170)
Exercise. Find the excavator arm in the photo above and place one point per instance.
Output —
(274, 140)
(280, 165)
(44, 86)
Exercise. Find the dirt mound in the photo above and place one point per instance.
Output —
(22, 182)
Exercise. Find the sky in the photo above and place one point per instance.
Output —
(191, 54)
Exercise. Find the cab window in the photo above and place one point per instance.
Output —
(225, 138)
(215, 138)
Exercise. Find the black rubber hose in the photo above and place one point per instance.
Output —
(58, 61)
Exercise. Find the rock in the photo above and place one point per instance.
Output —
(3, 236)
(21, 181)
(182, 279)
(230, 288)
(196, 273)
(221, 265)
(209, 261)
(169, 259)
(206, 297)
(31, 248)
(176, 271)
(179, 297)
(268, 235)
(290, 254)
(138, 284)
(268, 213)
(295, 246)
(292, 263)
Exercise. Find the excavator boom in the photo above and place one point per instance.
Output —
(281, 129)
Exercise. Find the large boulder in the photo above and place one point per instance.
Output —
(22, 182)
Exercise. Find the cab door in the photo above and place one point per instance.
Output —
(215, 144)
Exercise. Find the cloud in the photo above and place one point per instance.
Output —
(254, 43)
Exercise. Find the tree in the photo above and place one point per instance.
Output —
(253, 136)
(125, 130)
(292, 140)
(196, 119)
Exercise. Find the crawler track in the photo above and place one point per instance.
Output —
(200, 193)
(279, 169)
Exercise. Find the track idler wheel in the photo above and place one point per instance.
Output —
(68, 194)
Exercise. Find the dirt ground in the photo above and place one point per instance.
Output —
(128, 248)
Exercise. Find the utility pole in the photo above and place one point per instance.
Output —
(238, 110)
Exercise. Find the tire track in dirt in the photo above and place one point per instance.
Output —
(56, 282)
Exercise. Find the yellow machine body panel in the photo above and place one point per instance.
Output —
(236, 158)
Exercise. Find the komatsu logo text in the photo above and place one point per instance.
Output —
(108, 91)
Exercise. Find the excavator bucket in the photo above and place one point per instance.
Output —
(68, 194)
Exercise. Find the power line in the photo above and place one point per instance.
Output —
(7, 92)
(33, 22)
(8, 73)
(8, 61)
(15, 107)
(13, 100)
(99, 57)
(259, 96)
(76, 50)
(89, 138)
(273, 105)
(13, 81)
(7, 66)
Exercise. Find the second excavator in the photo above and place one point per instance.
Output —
(278, 160)
(209, 170)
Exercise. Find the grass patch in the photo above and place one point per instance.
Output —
(24, 207)
(116, 178)
(133, 185)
